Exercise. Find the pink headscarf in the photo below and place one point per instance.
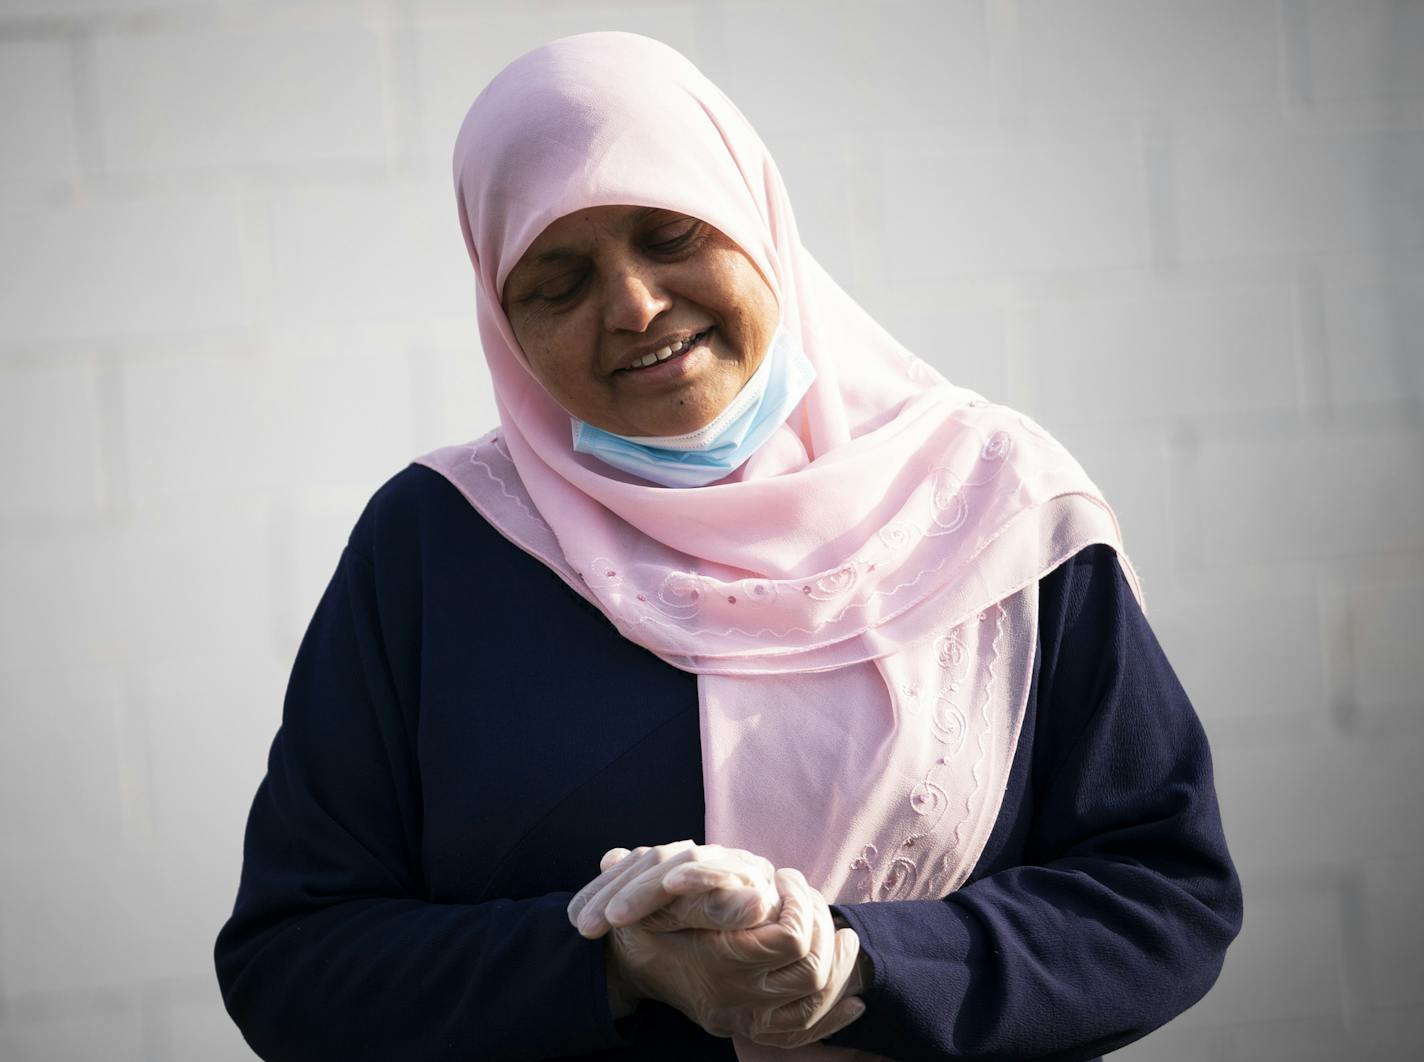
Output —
(860, 600)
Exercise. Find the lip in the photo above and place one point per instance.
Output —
(681, 364)
(637, 354)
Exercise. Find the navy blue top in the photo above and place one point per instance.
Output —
(463, 737)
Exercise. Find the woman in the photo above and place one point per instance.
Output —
(851, 658)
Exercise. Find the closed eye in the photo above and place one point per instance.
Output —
(560, 288)
(677, 242)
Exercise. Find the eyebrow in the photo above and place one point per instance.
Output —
(558, 255)
(561, 254)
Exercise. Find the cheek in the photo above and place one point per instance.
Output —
(758, 313)
(561, 362)
(751, 297)
(549, 368)
(723, 290)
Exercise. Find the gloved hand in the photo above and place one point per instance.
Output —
(676, 886)
(782, 984)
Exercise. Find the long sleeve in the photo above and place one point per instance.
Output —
(1119, 917)
(333, 950)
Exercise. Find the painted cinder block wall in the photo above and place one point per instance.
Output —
(1187, 236)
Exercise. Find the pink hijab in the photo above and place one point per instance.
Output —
(860, 600)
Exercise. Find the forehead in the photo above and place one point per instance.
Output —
(612, 218)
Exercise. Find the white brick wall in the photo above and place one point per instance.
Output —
(1188, 237)
(50, 413)
(1374, 338)
(999, 199)
(1101, 56)
(39, 134)
(111, 266)
(240, 97)
(1362, 49)
(1258, 190)
(1151, 358)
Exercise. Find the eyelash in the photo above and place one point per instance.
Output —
(677, 243)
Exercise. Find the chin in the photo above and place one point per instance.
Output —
(692, 421)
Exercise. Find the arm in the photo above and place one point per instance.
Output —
(1122, 915)
(332, 950)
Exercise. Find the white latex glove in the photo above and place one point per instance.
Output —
(782, 984)
(676, 886)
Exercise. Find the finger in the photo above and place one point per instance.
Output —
(812, 972)
(721, 910)
(691, 878)
(581, 898)
(716, 867)
(666, 921)
(804, 1014)
(783, 941)
(735, 890)
(637, 895)
(595, 895)
(842, 1014)
(837, 1018)
(585, 896)
(612, 858)
(640, 896)
(593, 918)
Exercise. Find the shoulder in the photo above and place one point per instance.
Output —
(418, 512)
(1096, 643)
(1096, 561)
(1087, 611)
(1083, 585)
(422, 540)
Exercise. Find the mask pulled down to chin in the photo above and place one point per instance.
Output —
(717, 449)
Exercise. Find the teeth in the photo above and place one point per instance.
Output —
(664, 353)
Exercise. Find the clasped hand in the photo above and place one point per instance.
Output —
(736, 945)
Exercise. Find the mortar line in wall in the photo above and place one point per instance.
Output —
(1355, 964)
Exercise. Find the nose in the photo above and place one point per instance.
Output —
(633, 298)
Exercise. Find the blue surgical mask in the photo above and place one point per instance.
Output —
(721, 447)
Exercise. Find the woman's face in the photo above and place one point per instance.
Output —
(602, 288)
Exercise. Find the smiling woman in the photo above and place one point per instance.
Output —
(750, 687)
(603, 305)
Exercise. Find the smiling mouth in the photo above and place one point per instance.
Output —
(671, 353)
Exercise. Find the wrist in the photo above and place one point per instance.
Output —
(859, 978)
